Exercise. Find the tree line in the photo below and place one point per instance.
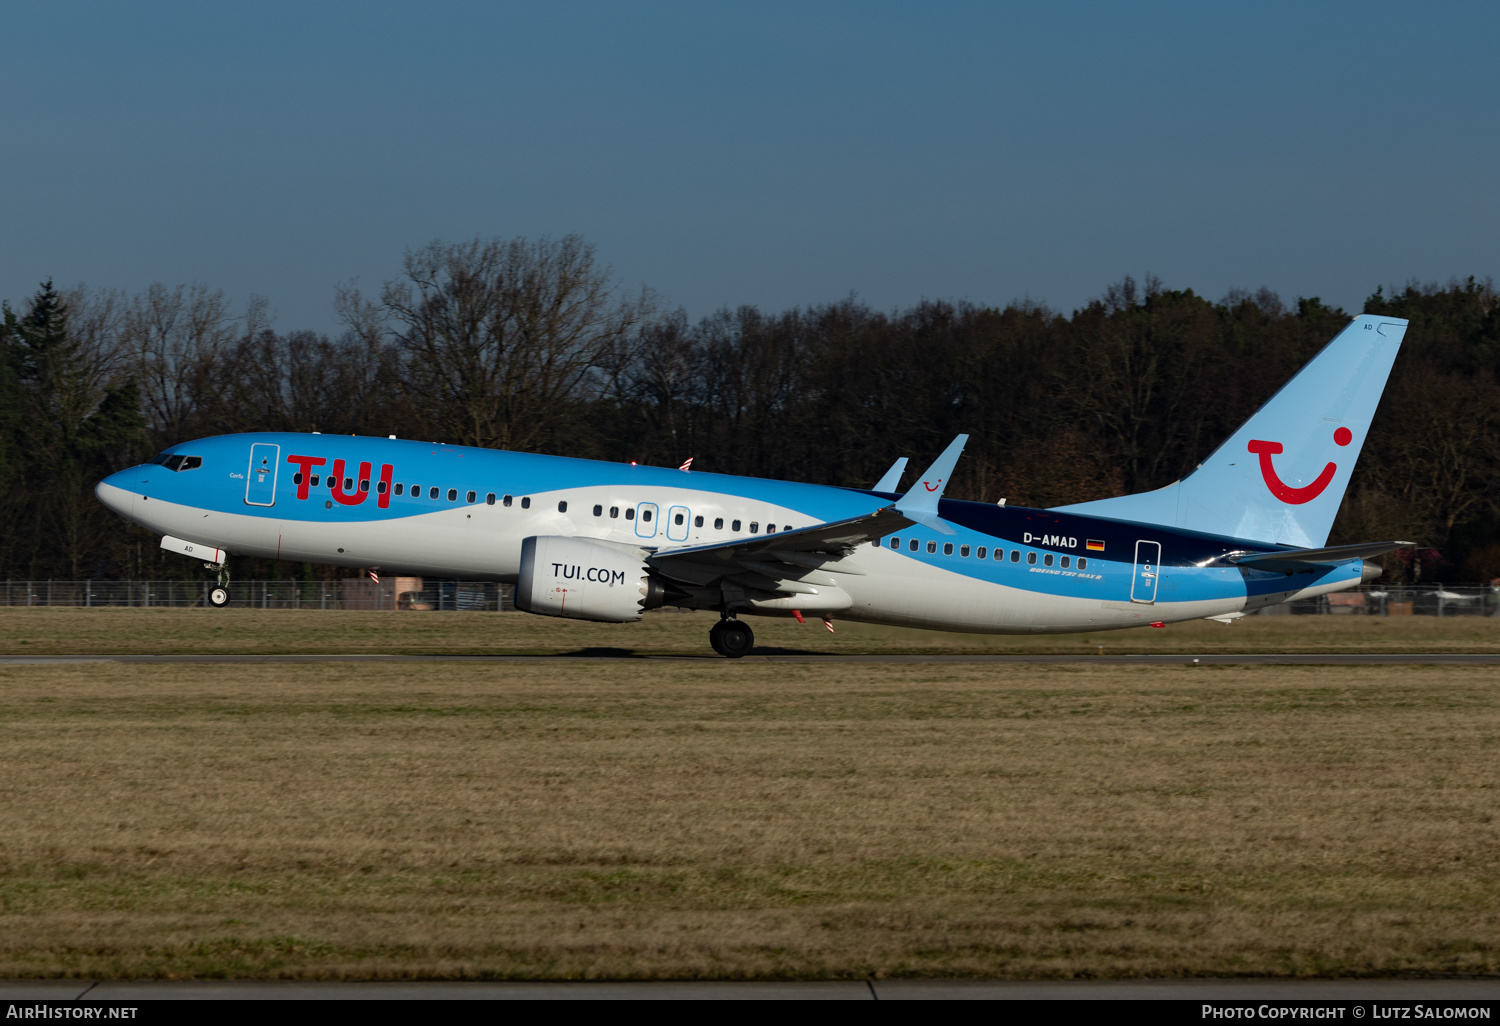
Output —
(534, 345)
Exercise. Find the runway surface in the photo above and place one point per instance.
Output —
(1467, 990)
(1314, 659)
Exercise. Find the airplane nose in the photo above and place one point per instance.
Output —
(113, 493)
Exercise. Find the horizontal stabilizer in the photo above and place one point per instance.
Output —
(1300, 559)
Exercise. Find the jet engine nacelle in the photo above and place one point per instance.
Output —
(583, 579)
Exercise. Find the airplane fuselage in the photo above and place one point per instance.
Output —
(407, 507)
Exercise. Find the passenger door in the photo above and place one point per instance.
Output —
(260, 479)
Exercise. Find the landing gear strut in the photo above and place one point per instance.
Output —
(731, 638)
(218, 596)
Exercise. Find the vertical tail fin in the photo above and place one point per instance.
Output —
(1280, 478)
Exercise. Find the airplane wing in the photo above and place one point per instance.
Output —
(920, 504)
(789, 561)
(1301, 559)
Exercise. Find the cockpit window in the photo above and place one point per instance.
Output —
(175, 462)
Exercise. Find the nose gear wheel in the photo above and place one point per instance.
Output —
(218, 596)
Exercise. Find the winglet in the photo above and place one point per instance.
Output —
(892, 479)
(921, 503)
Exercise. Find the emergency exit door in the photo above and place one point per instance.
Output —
(1147, 571)
(645, 520)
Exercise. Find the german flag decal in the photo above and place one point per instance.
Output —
(1095, 546)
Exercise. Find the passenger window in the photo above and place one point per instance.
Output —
(505, 501)
(697, 521)
(646, 515)
(364, 485)
(735, 526)
(297, 478)
(332, 481)
(677, 520)
(452, 494)
(786, 527)
(348, 484)
(981, 553)
(472, 496)
(947, 548)
(598, 511)
(755, 527)
(1065, 562)
(380, 488)
(718, 523)
(489, 500)
(400, 488)
(1047, 559)
(1083, 564)
(432, 493)
(614, 512)
(963, 550)
(525, 502)
(629, 512)
(931, 547)
(1015, 555)
(1031, 558)
(914, 545)
(315, 481)
(895, 543)
(562, 507)
(770, 528)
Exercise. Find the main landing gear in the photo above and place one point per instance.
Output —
(218, 595)
(731, 638)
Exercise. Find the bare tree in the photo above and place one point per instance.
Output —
(179, 341)
(497, 339)
(87, 360)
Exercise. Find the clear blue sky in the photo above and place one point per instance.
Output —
(771, 153)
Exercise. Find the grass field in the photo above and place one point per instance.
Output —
(135, 631)
(622, 819)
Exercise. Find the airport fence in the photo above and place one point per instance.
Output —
(400, 593)
(1416, 600)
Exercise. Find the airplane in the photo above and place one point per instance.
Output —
(601, 541)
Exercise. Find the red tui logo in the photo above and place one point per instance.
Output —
(1279, 488)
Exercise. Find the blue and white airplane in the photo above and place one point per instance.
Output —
(606, 541)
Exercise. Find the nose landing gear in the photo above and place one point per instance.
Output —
(218, 596)
(731, 638)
